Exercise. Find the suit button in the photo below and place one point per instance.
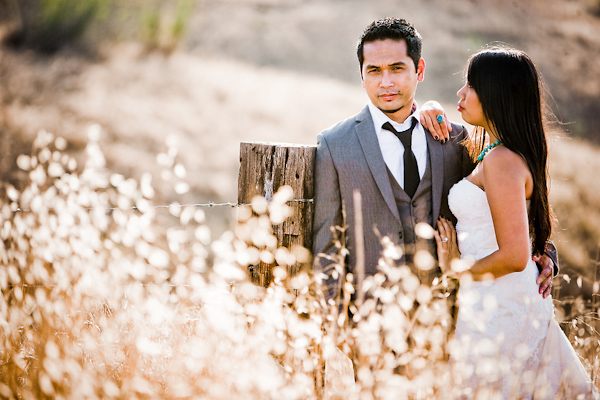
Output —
(400, 234)
(414, 203)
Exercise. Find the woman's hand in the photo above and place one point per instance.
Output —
(447, 247)
(429, 115)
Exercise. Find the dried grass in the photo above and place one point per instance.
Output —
(99, 301)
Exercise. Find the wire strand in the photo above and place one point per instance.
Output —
(209, 205)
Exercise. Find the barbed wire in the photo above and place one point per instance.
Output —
(209, 205)
(173, 285)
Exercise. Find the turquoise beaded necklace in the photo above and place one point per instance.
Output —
(486, 149)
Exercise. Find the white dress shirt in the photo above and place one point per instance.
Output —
(392, 148)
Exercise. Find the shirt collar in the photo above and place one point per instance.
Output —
(379, 118)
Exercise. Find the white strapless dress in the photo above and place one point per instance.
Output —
(506, 338)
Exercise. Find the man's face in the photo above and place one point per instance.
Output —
(390, 78)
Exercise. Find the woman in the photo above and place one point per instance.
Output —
(506, 337)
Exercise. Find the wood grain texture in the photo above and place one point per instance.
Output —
(266, 167)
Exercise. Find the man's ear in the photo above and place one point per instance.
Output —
(421, 70)
(362, 79)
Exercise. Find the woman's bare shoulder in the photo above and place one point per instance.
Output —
(502, 164)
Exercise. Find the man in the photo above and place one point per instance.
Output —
(364, 154)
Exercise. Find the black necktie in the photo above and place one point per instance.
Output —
(411, 170)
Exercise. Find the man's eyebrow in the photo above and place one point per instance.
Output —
(395, 64)
(371, 66)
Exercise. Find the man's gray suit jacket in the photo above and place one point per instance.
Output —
(349, 158)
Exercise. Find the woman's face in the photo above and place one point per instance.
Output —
(470, 107)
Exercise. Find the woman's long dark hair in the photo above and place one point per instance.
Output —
(509, 89)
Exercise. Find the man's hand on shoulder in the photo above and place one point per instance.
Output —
(546, 267)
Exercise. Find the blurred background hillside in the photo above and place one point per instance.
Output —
(212, 73)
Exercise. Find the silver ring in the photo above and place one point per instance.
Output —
(444, 239)
(440, 119)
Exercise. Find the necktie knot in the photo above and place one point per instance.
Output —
(404, 136)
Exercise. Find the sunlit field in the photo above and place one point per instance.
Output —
(99, 301)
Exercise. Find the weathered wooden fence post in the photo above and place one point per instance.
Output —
(264, 168)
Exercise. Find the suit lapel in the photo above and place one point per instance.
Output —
(436, 155)
(370, 147)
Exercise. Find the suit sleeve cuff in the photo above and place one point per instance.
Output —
(551, 252)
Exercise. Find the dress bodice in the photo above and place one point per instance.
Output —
(475, 227)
